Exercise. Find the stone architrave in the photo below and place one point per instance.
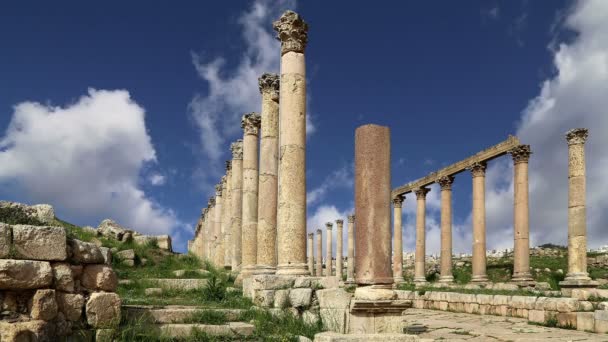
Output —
(319, 261)
(237, 203)
(227, 220)
(419, 262)
(339, 248)
(398, 240)
(350, 268)
(328, 250)
(446, 229)
(292, 31)
(218, 253)
(251, 128)
(311, 253)
(521, 249)
(268, 180)
(478, 171)
(373, 205)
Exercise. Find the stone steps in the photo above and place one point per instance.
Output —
(178, 284)
(172, 313)
(182, 330)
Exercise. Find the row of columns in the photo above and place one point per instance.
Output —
(315, 261)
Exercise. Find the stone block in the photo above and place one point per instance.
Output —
(271, 282)
(43, 305)
(536, 316)
(25, 274)
(86, 253)
(567, 320)
(566, 304)
(374, 294)
(361, 323)
(484, 299)
(334, 298)
(99, 277)
(107, 255)
(63, 278)
(5, 240)
(580, 294)
(502, 300)
(335, 337)
(39, 243)
(35, 330)
(300, 298)
(70, 305)
(264, 298)
(523, 302)
(601, 321)
(179, 284)
(153, 291)
(105, 335)
(310, 317)
(103, 310)
(401, 294)
(127, 254)
(334, 319)
(44, 212)
(281, 299)
(585, 321)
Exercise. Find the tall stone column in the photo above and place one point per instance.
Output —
(350, 268)
(397, 240)
(209, 230)
(420, 256)
(269, 159)
(577, 217)
(319, 253)
(218, 252)
(521, 250)
(328, 250)
(373, 205)
(227, 219)
(339, 248)
(478, 170)
(446, 229)
(291, 215)
(311, 253)
(251, 127)
(237, 203)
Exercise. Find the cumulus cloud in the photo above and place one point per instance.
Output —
(340, 178)
(157, 179)
(324, 214)
(84, 158)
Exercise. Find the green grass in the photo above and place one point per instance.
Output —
(207, 317)
(283, 326)
(462, 275)
(163, 267)
(13, 216)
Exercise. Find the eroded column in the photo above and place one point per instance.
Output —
(478, 171)
(446, 229)
(339, 247)
(328, 250)
(209, 229)
(218, 252)
(251, 127)
(373, 205)
(521, 248)
(350, 268)
(397, 240)
(237, 203)
(319, 260)
(291, 217)
(311, 254)
(269, 158)
(420, 255)
(227, 220)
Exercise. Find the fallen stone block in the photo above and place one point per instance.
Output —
(99, 277)
(25, 274)
(153, 291)
(39, 243)
(43, 305)
(107, 255)
(103, 310)
(127, 254)
(86, 253)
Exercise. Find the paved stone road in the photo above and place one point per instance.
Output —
(449, 326)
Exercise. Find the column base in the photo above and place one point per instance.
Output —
(568, 285)
(350, 281)
(479, 278)
(398, 280)
(522, 278)
(264, 269)
(247, 271)
(577, 276)
(420, 280)
(300, 269)
(446, 279)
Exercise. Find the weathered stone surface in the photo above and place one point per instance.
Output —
(86, 253)
(111, 229)
(5, 240)
(153, 291)
(163, 241)
(585, 321)
(317, 282)
(63, 278)
(271, 282)
(300, 298)
(42, 212)
(127, 254)
(39, 243)
(264, 298)
(70, 305)
(99, 277)
(310, 317)
(334, 319)
(334, 298)
(103, 310)
(180, 284)
(36, 330)
(281, 299)
(44, 305)
(567, 320)
(368, 293)
(383, 337)
(107, 255)
(173, 313)
(25, 274)
(601, 321)
(105, 335)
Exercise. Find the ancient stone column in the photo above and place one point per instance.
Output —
(227, 219)
(211, 230)
(218, 252)
(251, 127)
(339, 247)
(373, 205)
(328, 250)
(577, 219)
(311, 253)
(397, 240)
(478, 170)
(269, 159)
(319, 260)
(446, 229)
(350, 270)
(237, 203)
(521, 250)
(206, 233)
(420, 255)
(291, 215)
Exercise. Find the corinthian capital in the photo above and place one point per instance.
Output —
(577, 136)
(218, 190)
(205, 211)
(340, 223)
(319, 232)
(228, 165)
(237, 149)
(398, 201)
(421, 192)
(292, 31)
(311, 235)
(269, 83)
(445, 182)
(251, 123)
(351, 218)
(329, 225)
(520, 154)
(478, 169)
(211, 202)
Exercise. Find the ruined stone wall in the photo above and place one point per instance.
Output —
(52, 287)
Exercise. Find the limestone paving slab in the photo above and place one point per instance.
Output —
(172, 313)
(179, 284)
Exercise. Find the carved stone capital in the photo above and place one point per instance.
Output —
(477, 169)
(329, 225)
(211, 202)
(251, 123)
(520, 154)
(228, 165)
(398, 201)
(218, 190)
(577, 136)
(319, 232)
(340, 222)
(311, 235)
(270, 83)
(237, 149)
(421, 192)
(445, 182)
(292, 31)
(351, 218)
(205, 211)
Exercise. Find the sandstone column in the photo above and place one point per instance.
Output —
(218, 252)
(236, 206)
(209, 229)
(251, 127)
(577, 220)
(397, 240)
(478, 170)
(328, 250)
(350, 270)
(521, 250)
(446, 229)
(339, 247)
(269, 159)
(319, 253)
(291, 215)
(373, 205)
(227, 220)
(420, 256)
(311, 253)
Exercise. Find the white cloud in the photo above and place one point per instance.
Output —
(324, 214)
(157, 179)
(85, 158)
(341, 177)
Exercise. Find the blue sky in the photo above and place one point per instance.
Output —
(126, 110)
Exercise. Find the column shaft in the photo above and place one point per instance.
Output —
(339, 248)
(218, 253)
(251, 125)
(446, 229)
(227, 220)
(479, 222)
(420, 256)
(237, 203)
(328, 250)
(521, 250)
(311, 254)
(397, 240)
(319, 260)
(350, 271)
